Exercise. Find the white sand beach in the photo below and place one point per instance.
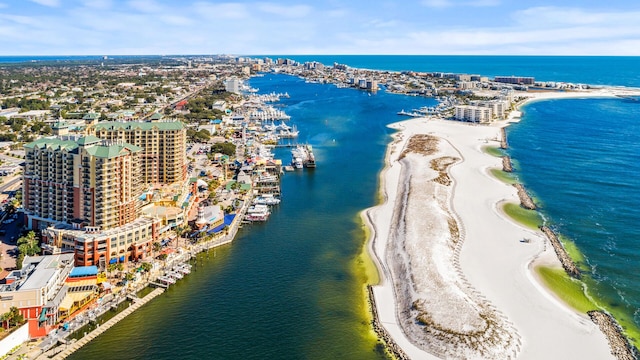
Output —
(450, 258)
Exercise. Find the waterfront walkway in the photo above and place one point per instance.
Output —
(68, 349)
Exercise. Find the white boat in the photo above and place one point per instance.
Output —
(310, 161)
(166, 280)
(258, 212)
(266, 199)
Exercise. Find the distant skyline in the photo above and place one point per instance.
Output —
(421, 27)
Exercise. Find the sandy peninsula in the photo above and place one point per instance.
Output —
(457, 282)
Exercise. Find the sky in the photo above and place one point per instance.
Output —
(420, 27)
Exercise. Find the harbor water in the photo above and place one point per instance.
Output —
(293, 288)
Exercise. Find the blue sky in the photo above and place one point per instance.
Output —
(133, 27)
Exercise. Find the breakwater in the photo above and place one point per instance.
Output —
(620, 347)
(506, 164)
(391, 345)
(525, 200)
(566, 261)
(503, 139)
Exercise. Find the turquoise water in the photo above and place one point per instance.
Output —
(600, 70)
(581, 159)
(285, 289)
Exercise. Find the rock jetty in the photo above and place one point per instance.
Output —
(566, 261)
(392, 347)
(525, 200)
(506, 164)
(503, 139)
(620, 347)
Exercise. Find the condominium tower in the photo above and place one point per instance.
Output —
(85, 179)
(163, 156)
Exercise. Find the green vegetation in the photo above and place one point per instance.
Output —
(569, 290)
(494, 150)
(225, 148)
(27, 246)
(198, 136)
(504, 176)
(12, 318)
(528, 218)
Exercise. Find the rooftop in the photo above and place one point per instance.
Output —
(135, 125)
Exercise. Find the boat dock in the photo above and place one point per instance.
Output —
(70, 348)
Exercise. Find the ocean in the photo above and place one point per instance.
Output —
(293, 288)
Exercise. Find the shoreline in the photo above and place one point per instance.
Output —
(558, 320)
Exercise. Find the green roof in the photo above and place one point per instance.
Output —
(88, 140)
(53, 143)
(60, 125)
(90, 116)
(156, 116)
(135, 125)
(111, 151)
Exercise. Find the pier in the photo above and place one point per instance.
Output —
(506, 164)
(620, 347)
(525, 200)
(566, 261)
(68, 349)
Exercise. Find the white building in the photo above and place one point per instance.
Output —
(233, 85)
(473, 113)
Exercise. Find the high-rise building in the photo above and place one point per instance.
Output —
(83, 179)
(163, 156)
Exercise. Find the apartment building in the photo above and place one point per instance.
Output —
(37, 291)
(81, 178)
(473, 113)
(163, 157)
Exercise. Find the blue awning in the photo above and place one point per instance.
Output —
(82, 271)
(113, 261)
(122, 258)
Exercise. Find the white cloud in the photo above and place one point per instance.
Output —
(50, 3)
(3, 5)
(147, 6)
(221, 11)
(98, 4)
(439, 4)
(296, 11)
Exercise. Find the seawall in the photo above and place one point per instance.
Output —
(392, 347)
(566, 261)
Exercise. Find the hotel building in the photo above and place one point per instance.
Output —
(163, 157)
(87, 193)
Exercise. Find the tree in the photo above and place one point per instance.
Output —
(226, 148)
(28, 244)
(146, 267)
(12, 318)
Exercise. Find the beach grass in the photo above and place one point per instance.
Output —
(505, 177)
(528, 218)
(494, 150)
(569, 290)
